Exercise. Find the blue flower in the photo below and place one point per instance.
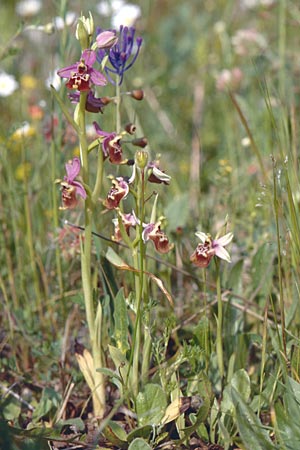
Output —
(123, 54)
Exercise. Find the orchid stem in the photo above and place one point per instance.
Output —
(93, 319)
(219, 344)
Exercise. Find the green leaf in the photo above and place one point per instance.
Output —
(234, 281)
(139, 444)
(262, 273)
(76, 422)
(151, 405)
(109, 373)
(120, 363)
(177, 212)
(115, 434)
(121, 322)
(241, 383)
(288, 428)
(115, 259)
(10, 408)
(251, 430)
(65, 110)
(140, 432)
(49, 403)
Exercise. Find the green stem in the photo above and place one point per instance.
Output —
(118, 105)
(219, 343)
(94, 319)
(139, 264)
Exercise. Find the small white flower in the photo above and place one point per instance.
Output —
(126, 15)
(53, 79)
(106, 8)
(70, 19)
(27, 8)
(8, 84)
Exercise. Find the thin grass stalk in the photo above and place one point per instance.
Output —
(282, 47)
(281, 299)
(263, 357)
(8, 258)
(55, 214)
(254, 147)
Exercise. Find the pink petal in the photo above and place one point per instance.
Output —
(72, 169)
(224, 240)
(100, 131)
(221, 253)
(97, 77)
(202, 236)
(147, 230)
(66, 72)
(89, 57)
(79, 189)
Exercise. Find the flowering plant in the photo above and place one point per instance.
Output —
(122, 50)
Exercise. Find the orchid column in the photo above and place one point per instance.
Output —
(82, 78)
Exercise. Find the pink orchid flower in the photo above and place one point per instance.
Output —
(153, 233)
(82, 76)
(70, 187)
(208, 248)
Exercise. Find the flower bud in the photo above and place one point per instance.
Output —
(140, 142)
(141, 159)
(137, 94)
(106, 39)
(130, 128)
(106, 100)
(85, 30)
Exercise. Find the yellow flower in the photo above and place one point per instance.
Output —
(26, 130)
(23, 171)
(28, 82)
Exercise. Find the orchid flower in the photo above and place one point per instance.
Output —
(118, 191)
(153, 232)
(92, 104)
(70, 187)
(110, 145)
(128, 220)
(209, 247)
(82, 76)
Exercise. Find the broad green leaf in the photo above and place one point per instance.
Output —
(177, 212)
(115, 434)
(151, 405)
(295, 389)
(121, 322)
(115, 259)
(140, 432)
(261, 272)
(241, 383)
(76, 422)
(139, 444)
(234, 281)
(288, 428)
(10, 407)
(251, 430)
